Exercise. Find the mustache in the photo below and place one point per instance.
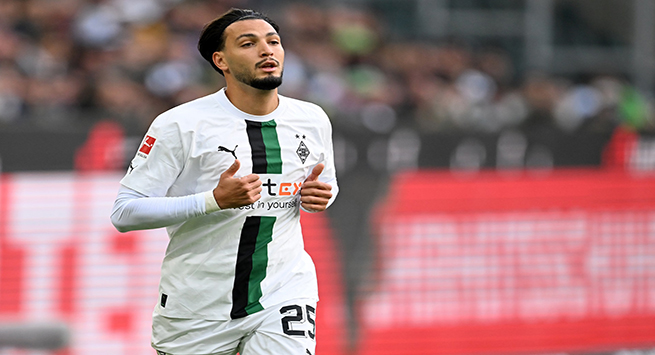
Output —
(261, 62)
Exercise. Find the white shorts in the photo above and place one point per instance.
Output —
(289, 328)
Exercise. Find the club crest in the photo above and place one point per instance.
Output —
(302, 151)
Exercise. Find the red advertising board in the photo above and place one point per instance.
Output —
(61, 260)
(512, 262)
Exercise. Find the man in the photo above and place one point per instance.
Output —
(227, 174)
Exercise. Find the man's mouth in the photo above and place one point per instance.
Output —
(268, 65)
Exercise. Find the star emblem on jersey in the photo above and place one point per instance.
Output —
(302, 151)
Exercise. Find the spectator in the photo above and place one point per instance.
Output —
(74, 60)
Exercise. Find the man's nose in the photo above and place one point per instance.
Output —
(267, 51)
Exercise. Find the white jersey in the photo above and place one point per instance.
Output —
(234, 262)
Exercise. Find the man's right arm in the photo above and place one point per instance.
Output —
(134, 210)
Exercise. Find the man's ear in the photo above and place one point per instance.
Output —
(219, 61)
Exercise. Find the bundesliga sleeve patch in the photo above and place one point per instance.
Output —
(148, 142)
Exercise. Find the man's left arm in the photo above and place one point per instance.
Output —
(320, 188)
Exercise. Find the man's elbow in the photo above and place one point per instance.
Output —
(119, 223)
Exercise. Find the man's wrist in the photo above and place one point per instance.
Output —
(210, 202)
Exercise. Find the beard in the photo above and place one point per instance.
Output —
(266, 83)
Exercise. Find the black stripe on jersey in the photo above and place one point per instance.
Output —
(257, 146)
(244, 266)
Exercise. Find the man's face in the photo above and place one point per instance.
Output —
(253, 54)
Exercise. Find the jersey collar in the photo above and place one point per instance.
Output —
(229, 107)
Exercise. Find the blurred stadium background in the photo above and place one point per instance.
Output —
(496, 161)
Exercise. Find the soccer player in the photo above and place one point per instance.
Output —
(227, 175)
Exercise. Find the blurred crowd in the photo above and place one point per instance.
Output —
(82, 61)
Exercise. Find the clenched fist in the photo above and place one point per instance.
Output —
(314, 194)
(233, 192)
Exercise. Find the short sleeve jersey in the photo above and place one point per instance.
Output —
(234, 262)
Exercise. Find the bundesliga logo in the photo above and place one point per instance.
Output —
(148, 142)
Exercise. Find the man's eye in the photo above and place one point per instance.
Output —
(247, 44)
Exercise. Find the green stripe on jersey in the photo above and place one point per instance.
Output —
(264, 147)
(259, 264)
(273, 154)
(251, 263)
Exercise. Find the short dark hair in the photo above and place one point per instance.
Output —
(212, 38)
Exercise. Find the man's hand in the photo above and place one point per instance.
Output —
(315, 195)
(233, 192)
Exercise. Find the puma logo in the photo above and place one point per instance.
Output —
(223, 149)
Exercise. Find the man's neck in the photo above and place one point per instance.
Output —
(252, 101)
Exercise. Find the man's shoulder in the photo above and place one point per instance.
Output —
(305, 107)
(207, 103)
(293, 102)
(189, 112)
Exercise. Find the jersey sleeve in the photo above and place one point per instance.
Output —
(159, 160)
(329, 174)
(135, 211)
